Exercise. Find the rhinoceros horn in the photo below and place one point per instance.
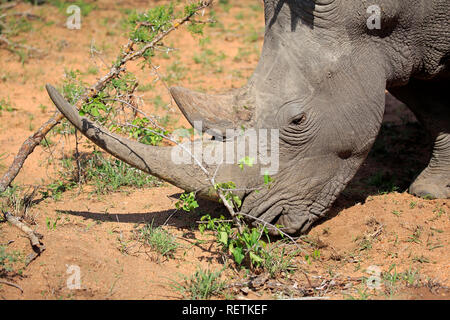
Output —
(219, 112)
(157, 161)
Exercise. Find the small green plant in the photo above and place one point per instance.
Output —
(279, 260)
(397, 213)
(411, 276)
(85, 7)
(209, 59)
(18, 200)
(365, 244)
(8, 260)
(415, 237)
(391, 277)
(175, 73)
(202, 285)
(246, 244)
(51, 225)
(57, 188)
(227, 189)
(159, 240)
(92, 70)
(140, 132)
(109, 174)
(187, 202)
(248, 161)
(145, 87)
(72, 87)
(5, 105)
(362, 294)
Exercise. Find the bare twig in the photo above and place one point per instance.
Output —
(36, 244)
(11, 284)
(22, 226)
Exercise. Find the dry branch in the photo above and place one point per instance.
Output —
(36, 244)
(33, 141)
(11, 284)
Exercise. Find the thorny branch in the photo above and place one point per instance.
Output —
(128, 55)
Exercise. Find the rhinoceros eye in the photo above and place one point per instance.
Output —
(298, 120)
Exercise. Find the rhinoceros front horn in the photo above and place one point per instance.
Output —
(157, 161)
(215, 112)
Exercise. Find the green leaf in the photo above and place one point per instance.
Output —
(267, 178)
(223, 237)
(238, 255)
(255, 258)
(94, 112)
(237, 201)
(247, 161)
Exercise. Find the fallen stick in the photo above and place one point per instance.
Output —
(11, 284)
(36, 244)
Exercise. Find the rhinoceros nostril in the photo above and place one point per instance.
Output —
(345, 154)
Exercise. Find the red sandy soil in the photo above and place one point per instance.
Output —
(393, 231)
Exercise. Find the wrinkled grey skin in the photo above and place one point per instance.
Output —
(321, 81)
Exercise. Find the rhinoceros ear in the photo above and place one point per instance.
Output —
(216, 112)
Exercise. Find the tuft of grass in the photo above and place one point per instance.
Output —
(175, 73)
(57, 188)
(18, 200)
(145, 87)
(209, 59)
(109, 174)
(8, 261)
(202, 285)
(362, 294)
(393, 279)
(397, 212)
(415, 237)
(278, 261)
(85, 7)
(159, 239)
(92, 70)
(5, 105)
